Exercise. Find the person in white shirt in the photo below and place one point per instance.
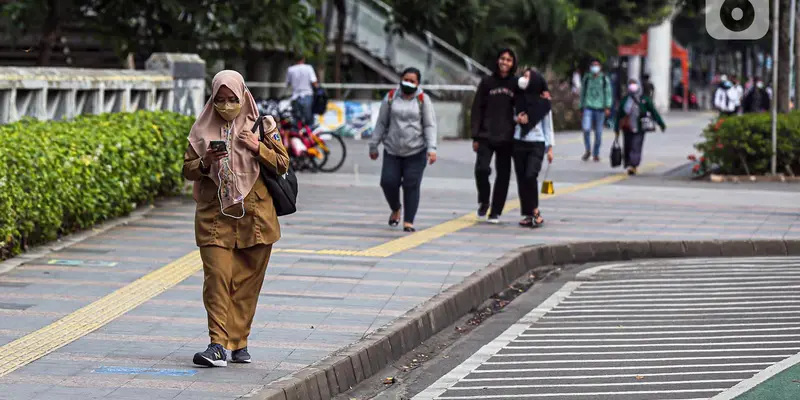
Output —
(303, 80)
(739, 94)
(726, 97)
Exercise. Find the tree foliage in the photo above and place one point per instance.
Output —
(548, 33)
(202, 26)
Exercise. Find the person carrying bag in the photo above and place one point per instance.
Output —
(636, 116)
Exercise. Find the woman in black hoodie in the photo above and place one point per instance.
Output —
(492, 121)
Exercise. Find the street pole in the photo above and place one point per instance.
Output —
(792, 22)
(775, 33)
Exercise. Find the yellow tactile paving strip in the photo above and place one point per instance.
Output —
(99, 313)
(87, 319)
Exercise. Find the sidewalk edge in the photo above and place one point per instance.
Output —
(353, 364)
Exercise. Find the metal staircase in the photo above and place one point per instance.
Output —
(388, 54)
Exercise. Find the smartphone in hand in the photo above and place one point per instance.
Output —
(218, 146)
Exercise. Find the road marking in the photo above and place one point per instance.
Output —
(633, 367)
(621, 325)
(490, 349)
(762, 376)
(564, 310)
(72, 327)
(570, 340)
(775, 356)
(659, 301)
(543, 386)
(660, 332)
(681, 296)
(419, 238)
(584, 394)
(580, 377)
(762, 313)
(615, 346)
(619, 353)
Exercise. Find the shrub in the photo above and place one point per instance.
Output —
(59, 177)
(741, 145)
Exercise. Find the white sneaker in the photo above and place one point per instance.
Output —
(493, 219)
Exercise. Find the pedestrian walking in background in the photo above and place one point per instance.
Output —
(726, 97)
(757, 99)
(407, 128)
(739, 94)
(303, 80)
(647, 86)
(636, 116)
(596, 101)
(492, 122)
(531, 143)
(235, 219)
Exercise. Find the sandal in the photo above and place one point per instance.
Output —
(394, 221)
(526, 222)
(537, 220)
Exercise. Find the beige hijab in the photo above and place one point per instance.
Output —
(210, 126)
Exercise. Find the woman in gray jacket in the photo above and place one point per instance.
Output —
(407, 128)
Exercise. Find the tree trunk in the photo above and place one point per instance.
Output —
(784, 52)
(797, 62)
(49, 33)
(322, 61)
(341, 22)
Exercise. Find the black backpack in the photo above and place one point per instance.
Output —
(282, 188)
(320, 103)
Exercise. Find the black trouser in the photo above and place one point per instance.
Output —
(528, 158)
(502, 163)
(632, 143)
(405, 172)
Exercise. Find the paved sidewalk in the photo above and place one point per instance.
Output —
(339, 272)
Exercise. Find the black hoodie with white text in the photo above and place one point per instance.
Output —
(492, 116)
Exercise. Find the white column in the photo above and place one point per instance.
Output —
(635, 67)
(659, 57)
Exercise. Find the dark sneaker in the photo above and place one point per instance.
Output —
(596, 158)
(214, 356)
(586, 156)
(482, 210)
(493, 219)
(241, 356)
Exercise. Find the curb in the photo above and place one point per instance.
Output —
(347, 367)
(66, 241)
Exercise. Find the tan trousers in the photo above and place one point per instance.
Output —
(231, 286)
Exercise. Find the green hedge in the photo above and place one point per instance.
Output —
(59, 177)
(740, 145)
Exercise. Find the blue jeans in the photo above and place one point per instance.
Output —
(406, 173)
(303, 109)
(593, 119)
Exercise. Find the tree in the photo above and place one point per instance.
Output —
(44, 18)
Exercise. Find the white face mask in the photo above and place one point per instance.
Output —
(633, 88)
(523, 82)
(760, 85)
(595, 69)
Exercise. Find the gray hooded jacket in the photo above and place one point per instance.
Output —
(407, 133)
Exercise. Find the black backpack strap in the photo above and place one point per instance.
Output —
(260, 126)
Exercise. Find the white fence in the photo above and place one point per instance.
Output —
(63, 93)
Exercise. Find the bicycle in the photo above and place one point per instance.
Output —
(309, 149)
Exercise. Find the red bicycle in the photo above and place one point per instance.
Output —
(308, 149)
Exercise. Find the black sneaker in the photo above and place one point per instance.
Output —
(586, 156)
(493, 219)
(482, 210)
(241, 356)
(214, 356)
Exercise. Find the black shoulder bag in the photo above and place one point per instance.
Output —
(282, 188)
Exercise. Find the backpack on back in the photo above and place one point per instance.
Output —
(420, 100)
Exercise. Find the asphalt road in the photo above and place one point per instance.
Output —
(669, 329)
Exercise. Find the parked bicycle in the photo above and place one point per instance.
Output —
(311, 149)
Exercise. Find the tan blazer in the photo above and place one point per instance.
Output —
(260, 223)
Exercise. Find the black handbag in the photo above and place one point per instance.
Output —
(616, 154)
(282, 188)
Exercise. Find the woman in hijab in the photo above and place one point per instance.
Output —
(632, 119)
(531, 142)
(235, 219)
(407, 128)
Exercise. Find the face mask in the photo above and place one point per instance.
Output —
(408, 87)
(633, 88)
(523, 82)
(228, 111)
(595, 69)
(760, 85)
